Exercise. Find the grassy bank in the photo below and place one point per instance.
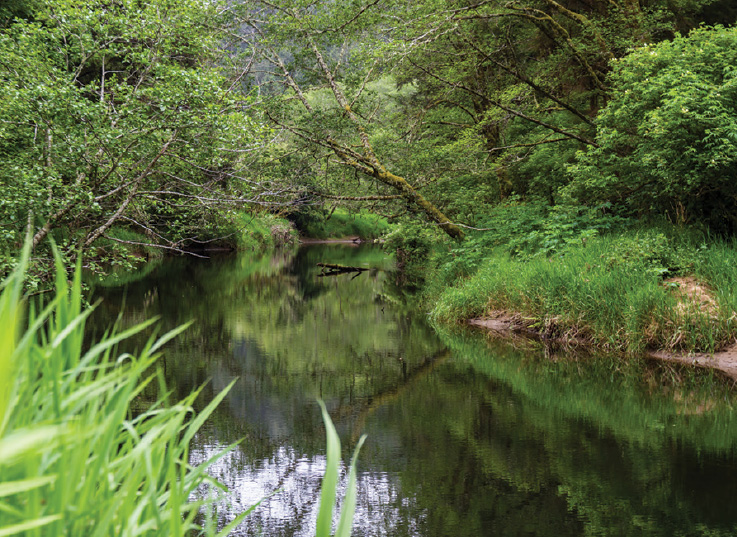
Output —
(259, 231)
(341, 223)
(657, 287)
(122, 251)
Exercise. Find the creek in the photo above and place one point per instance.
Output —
(468, 435)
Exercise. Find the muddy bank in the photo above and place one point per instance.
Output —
(724, 361)
(513, 325)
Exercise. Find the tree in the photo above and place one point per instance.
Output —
(471, 102)
(304, 46)
(117, 112)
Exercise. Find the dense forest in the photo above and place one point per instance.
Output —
(159, 121)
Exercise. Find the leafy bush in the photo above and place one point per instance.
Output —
(412, 243)
(257, 231)
(668, 137)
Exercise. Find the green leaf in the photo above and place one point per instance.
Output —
(330, 479)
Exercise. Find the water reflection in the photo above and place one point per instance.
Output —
(467, 436)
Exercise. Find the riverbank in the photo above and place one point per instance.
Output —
(658, 291)
(508, 326)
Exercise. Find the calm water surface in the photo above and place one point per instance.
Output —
(467, 435)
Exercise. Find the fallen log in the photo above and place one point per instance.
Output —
(331, 269)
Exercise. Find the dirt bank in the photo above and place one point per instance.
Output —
(688, 289)
(506, 325)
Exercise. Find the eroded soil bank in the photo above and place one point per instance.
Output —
(691, 293)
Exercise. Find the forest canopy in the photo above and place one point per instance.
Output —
(166, 118)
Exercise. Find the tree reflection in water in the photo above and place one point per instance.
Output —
(467, 437)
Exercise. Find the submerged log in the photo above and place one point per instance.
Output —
(331, 269)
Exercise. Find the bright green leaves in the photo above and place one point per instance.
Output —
(88, 445)
(330, 483)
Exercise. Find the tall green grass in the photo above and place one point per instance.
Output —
(260, 231)
(343, 223)
(86, 449)
(81, 451)
(610, 291)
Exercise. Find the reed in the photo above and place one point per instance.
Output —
(328, 494)
(81, 453)
(85, 449)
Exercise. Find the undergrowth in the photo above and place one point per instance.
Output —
(612, 288)
(259, 231)
(341, 223)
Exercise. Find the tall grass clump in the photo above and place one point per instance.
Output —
(614, 291)
(343, 223)
(260, 231)
(81, 451)
(86, 449)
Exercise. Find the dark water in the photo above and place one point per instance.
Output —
(467, 435)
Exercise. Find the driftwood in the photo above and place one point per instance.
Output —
(332, 269)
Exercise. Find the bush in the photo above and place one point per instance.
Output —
(257, 231)
(668, 137)
(412, 243)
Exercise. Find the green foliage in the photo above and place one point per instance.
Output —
(117, 113)
(412, 243)
(609, 291)
(341, 223)
(257, 230)
(668, 137)
(524, 230)
(11, 9)
(84, 446)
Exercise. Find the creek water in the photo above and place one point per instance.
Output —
(468, 435)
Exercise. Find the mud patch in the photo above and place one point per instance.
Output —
(724, 361)
(548, 331)
(499, 321)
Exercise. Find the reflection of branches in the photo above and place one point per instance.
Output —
(366, 407)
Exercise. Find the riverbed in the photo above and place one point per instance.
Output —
(468, 435)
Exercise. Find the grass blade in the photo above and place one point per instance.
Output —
(30, 525)
(330, 480)
(349, 502)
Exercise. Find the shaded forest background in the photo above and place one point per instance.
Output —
(180, 123)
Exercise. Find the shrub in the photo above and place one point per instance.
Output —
(668, 137)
